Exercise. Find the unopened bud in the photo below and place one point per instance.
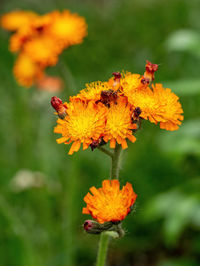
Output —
(58, 106)
(93, 227)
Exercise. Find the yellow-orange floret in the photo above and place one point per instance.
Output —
(26, 71)
(83, 123)
(93, 90)
(14, 20)
(119, 125)
(67, 28)
(109, 203)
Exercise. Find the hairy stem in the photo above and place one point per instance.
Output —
(103, 247)
(116, 162)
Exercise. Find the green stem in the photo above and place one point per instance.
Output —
(104, 150)
(104, 239)
(116, 162)
(103, 247)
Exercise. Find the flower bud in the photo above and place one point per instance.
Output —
(92, 227)
(59, 107)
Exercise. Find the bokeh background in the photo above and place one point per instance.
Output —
(42, 188)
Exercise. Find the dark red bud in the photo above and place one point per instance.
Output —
(117, 75)
(56, 102)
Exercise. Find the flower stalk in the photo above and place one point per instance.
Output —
(116, 162)
(104, 238)
(103, 248)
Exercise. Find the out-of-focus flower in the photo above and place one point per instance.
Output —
(48, 83)
(83, 123)
(42, 50)
(42, 38)
(67, 28)
(109, 203)
(15, 20)
(26, 71)
(25, 179)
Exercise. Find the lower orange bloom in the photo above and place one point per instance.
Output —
(109, 203)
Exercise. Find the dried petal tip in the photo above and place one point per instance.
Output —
(117, 75)
(150, 69)
(58, 106)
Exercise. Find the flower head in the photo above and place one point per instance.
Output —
(109, 203)
(158, 105)
(67, 28)
(42, 50)
(84, 123)
(26, 71)
(170, 109)
(14, 20)
(119, 125)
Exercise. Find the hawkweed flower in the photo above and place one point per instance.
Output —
(41, 38)
(119, 125)
(84, 123)
(109, 203)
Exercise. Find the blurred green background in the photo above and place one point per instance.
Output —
(42, 188)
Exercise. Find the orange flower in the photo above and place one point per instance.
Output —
(158, 105)
(109, 203)
(119, 125)
(84, 123)
(14, 20)
(26, 71)
(42, 50)
(170, 109)
(67, 28)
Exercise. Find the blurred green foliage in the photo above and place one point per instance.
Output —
(42, 188)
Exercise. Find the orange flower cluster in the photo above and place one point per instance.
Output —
(109, 203)
(113, 110)
(39, 40)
